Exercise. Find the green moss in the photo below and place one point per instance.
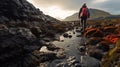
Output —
(112, 56)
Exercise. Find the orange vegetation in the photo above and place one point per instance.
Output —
(112, 38)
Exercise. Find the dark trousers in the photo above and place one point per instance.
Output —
(83, 22)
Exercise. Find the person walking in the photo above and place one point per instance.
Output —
(83, 15)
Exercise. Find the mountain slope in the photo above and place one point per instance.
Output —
(94, 13)
(22, 10)
(22, 29)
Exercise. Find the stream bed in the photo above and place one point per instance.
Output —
(71, 48)
(70, 45)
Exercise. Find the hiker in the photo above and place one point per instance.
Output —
(83, 15)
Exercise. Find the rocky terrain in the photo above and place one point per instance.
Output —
(104, 44)
(27, 38)
(24, 29)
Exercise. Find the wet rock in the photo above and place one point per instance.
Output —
(57, 37)
(71, 58)
(45, 64)
(47, 39)
(78, 65)
(70, 36)
(65, 34)
(78, 30)
(44, 49)
(76, 27)
(104, 46)
(52, 47)
(61, 40)
(94, 40)
(42, 41)
(61, 65)
(82, 48)
(61, 54)
(68, 45)
(51, 34)
(58, 54)
(86, 62)
(36, 31)
(58, 63)
(45, 56)
(78, 35)
(72, 61)
(17, 44)
(96, 53)
(73, 32)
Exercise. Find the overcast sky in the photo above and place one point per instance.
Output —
(63, 8)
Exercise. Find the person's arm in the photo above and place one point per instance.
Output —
(79, 13)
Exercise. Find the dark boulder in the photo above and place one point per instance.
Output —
(94, 32)
(96, 53)
(36, 31)
(24, 11)
(45, 56)
(104, 46)
(17, 45)
(94, 41)
(52, 47)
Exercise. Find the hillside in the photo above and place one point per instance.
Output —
(21, 10)
(24, 29)
(94, 13)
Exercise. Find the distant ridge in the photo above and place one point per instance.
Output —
(94, 13)
(108, 17)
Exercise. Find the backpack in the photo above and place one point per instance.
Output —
(84, 12)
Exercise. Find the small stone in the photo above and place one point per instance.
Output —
(70, 36)
(78, 65)
(71, 58)
(66, 35)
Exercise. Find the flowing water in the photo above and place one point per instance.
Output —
(70, 44)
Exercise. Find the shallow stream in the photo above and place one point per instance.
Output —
(70, 45)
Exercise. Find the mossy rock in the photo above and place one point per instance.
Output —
(112, 56)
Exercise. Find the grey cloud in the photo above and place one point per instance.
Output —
(109, 5)
(65, 4)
